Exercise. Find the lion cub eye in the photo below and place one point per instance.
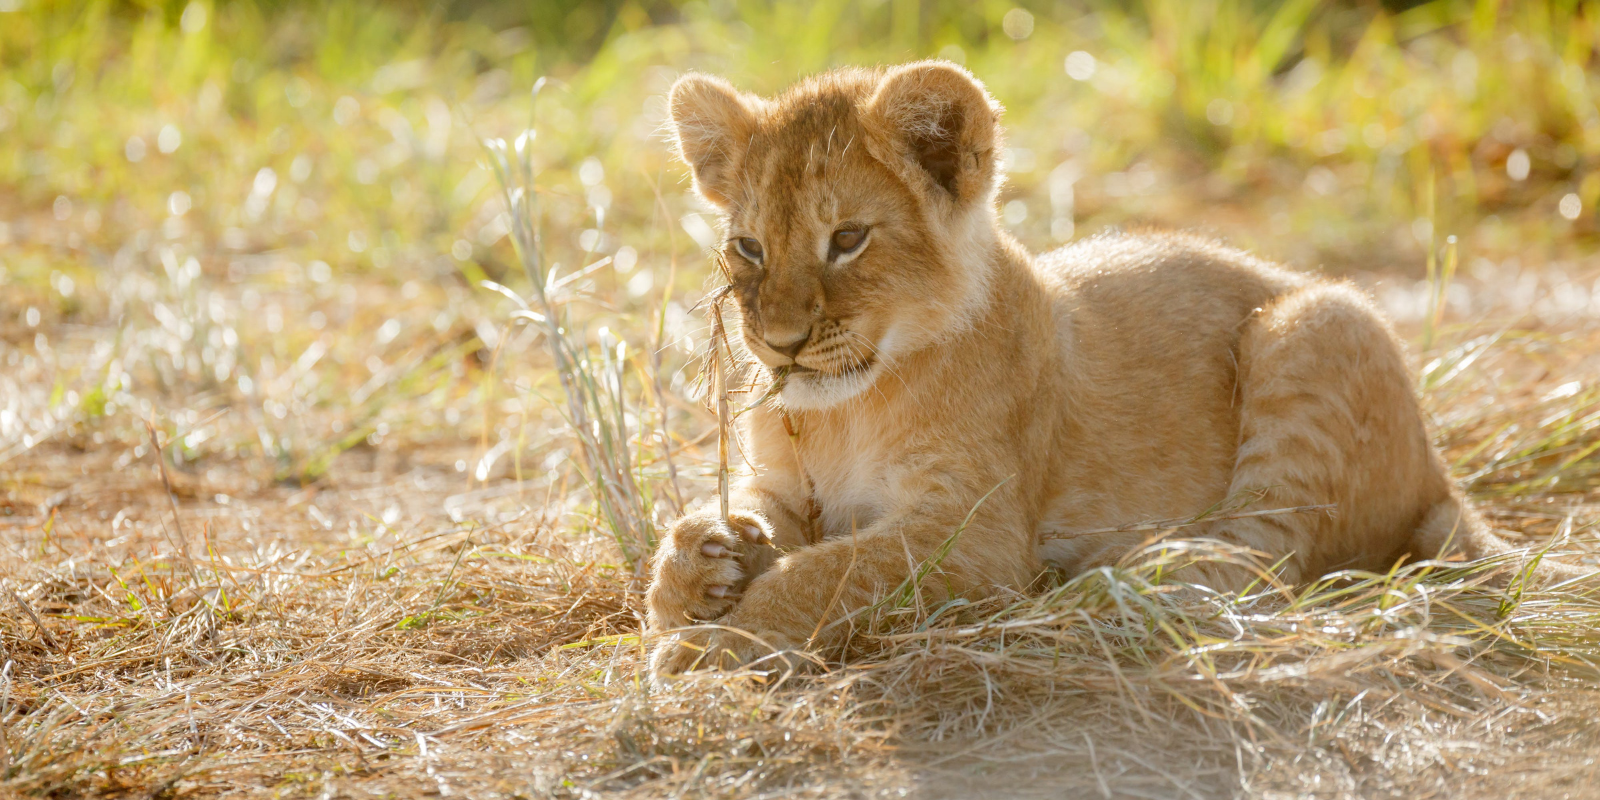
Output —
(846, 241)
(749, 248)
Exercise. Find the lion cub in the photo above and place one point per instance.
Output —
(932, 369)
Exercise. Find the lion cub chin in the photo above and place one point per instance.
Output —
(934, 377)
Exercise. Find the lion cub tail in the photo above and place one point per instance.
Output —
(1453, 528)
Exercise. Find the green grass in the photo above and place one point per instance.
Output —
(422, 428)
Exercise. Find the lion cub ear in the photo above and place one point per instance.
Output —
(941, 127)
(712, 123)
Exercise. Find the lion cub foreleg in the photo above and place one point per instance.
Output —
(808, 598)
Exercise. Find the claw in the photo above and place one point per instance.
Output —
(754, 534)
(713, 550)
(718, 591)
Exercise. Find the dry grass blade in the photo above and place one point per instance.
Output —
(1185, 522)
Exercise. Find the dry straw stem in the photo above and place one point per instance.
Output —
(44, 633)
(719, 371)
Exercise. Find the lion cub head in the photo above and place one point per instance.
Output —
(858, 212)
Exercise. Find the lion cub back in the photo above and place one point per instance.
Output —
(1148, 329)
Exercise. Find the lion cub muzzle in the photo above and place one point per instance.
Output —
(783, 317)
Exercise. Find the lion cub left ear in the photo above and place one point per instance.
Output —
(940, 128)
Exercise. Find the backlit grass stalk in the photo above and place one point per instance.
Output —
(595, 405)
(660, 346)
(1439, 292)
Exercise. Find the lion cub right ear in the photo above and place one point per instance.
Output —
(712, 123)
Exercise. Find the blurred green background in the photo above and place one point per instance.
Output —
(283, 207)
(359, 123)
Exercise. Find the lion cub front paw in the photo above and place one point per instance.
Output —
(703, 566)
(767, 651)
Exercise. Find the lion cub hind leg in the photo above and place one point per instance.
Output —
(703, 565)
(1328, 416)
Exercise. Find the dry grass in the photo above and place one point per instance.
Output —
(379, 560)
(497, 655)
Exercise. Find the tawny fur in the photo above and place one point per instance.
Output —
(1121, 379)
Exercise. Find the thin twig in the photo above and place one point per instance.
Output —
(1184, 522)
(37, 623)
(172, 499)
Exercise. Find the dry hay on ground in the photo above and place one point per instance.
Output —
(380, 646)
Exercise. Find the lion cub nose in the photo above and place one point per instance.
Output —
(792, 348)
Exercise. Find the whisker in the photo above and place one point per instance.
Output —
(878, 355)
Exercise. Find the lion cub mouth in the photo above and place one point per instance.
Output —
(796, 369)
